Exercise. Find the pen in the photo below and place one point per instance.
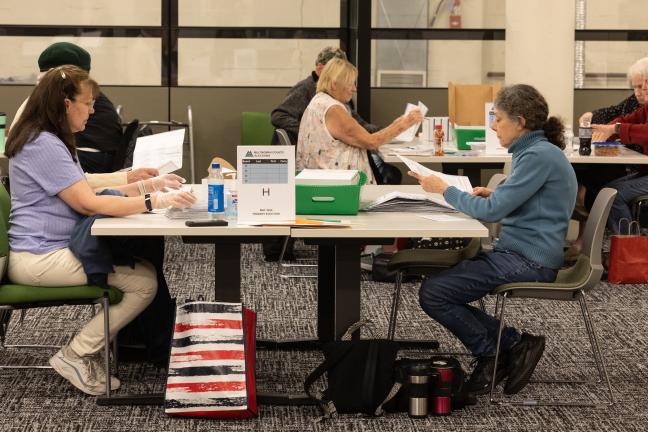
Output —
(328, 220)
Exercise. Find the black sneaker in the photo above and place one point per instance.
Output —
(523, 358)
(480, 378)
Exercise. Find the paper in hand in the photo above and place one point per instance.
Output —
(409, 134)
(460, 182)
(162, 151)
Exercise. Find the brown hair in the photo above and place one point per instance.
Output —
(45, 110)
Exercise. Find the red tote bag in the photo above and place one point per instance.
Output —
(628, 256)
(212, 362)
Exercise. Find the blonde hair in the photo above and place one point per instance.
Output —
(337, 71)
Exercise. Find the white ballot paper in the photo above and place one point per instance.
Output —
(162, 151)
(409, 134)
(460, 182)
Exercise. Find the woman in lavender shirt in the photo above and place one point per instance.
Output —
(50, 195)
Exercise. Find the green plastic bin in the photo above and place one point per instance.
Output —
(466, 134)
(329, 200)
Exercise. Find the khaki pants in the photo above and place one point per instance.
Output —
(62, 268)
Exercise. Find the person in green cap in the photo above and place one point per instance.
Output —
(99, 142)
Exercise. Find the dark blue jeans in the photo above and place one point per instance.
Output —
(628, 188)
(445, 297)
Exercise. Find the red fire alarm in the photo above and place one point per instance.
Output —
(455, 14)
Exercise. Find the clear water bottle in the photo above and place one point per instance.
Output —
(569, 141)
(216, 192)
(231, 207)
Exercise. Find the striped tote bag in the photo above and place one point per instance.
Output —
(211, 366)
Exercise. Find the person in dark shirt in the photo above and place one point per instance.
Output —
(99, 142)
(593, 177)
(288, 114)
(607, 114)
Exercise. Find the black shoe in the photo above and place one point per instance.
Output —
(480, 378)
(523, 358)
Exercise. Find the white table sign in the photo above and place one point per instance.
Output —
(265, 183)
(492, 142)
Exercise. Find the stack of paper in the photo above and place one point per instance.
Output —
(415, 149)
(327, 177)
(190, 213)
(410, 203)
(197, 211)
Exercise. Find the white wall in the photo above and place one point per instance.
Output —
(540, 50)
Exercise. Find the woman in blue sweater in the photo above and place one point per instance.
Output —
(534, 206)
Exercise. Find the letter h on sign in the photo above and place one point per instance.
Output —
(265, 191)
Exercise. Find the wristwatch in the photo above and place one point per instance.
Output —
(617, 128)
(147, 201)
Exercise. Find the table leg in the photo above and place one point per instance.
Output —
(227, 272)
(338, 284)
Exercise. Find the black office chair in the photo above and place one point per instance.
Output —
(283, 137)
(126, 146)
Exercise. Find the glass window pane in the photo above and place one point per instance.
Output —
(438, 14)
(616, 15)
(404, 63)
(259, 13)
(607, 63)
(82, 12)
(247, 62)
(115, 61)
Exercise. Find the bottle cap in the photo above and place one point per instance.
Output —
(215, 166)
(438, 126)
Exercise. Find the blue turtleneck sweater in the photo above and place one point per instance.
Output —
(535, 203)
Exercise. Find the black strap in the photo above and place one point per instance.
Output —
(369, 379)
(325, 366)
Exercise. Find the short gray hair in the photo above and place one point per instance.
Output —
(640, 68)
(523, 100)
(328, 53)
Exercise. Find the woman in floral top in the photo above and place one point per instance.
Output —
(329, 137)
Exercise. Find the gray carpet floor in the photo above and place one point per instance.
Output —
(40, 400)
